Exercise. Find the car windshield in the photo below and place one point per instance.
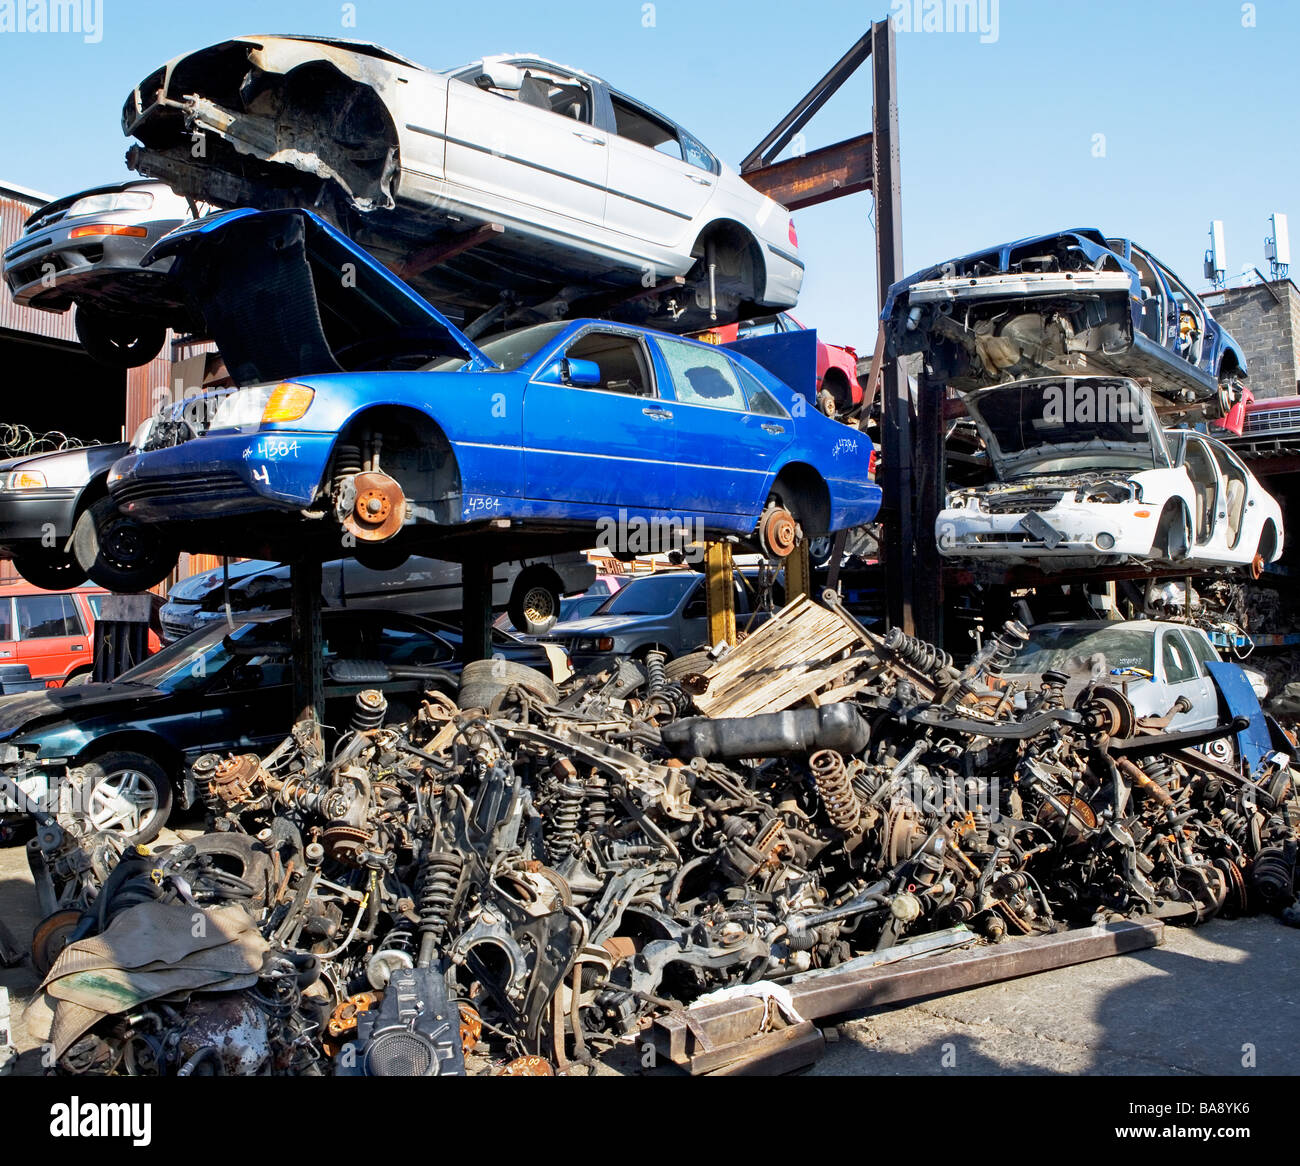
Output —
(511, 350)
(653, 595)
(1067, 425)
(191, 661)
(1072, 649)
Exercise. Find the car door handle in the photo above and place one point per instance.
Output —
(768, 427)
(595, 141)
(78, 648)
(698, 180)
(658, 414)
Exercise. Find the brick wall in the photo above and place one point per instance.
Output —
(1268, 332)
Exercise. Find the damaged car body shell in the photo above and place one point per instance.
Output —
(407, 158)
(1072, 303)
(1085, 475)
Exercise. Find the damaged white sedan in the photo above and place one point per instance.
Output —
(1085, 475)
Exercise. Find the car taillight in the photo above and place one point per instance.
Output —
(108, 229)
(794, 235)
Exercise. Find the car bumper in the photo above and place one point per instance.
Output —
(1082, 530)
(49, 269)
(222, 475)
(27, 515)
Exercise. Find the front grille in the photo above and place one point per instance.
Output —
(1019, 503)
(215, 485)
(1272, 421)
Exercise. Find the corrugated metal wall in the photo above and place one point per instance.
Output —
(14, 211)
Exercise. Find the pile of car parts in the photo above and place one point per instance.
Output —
(523, 886)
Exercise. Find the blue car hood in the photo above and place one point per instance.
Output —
(284, 294)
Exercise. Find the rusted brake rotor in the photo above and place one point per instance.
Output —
(380, 508)
(778, 531)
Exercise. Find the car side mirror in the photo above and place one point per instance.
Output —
(582, 374)
(500, 76)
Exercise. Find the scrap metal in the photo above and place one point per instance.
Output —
(525, 887)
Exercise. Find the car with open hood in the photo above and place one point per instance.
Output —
(512, 172)
(1072, 303)
(365, 416)
(1085, 475)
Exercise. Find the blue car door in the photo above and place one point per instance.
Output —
(591, 446)
(727, 444)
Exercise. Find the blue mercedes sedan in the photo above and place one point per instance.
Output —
(364, 416)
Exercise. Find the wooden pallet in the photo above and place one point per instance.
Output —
(803, 648)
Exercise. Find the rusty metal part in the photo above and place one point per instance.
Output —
(233, 779)
(342, 843)
(778, 531)
(379, 511)
(471, 1027)
(832, 782)
(343, 1020)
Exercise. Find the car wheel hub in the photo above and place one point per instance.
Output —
(538, 604)
(379, 510)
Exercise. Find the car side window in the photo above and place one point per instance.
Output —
(702, 375)
(6, 620)
(694, 152)
(1177, 658)
(697, 605)
(641, 126)
(621, 359)
(42, 617)
(1202, 650)
(761, 401)
(766, 326)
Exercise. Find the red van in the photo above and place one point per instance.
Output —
(51, 631)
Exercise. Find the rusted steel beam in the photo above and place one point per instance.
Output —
(429, 257)
(683, 1035)
(818, 176)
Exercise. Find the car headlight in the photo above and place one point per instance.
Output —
(118, 200)
(249, 408)
(24, 480)
(598, 644)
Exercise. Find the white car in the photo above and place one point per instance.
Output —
(596, 192)
(1085, 475)
(1154, 662)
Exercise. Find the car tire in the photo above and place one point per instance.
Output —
(127, 793)
(116, 339)
(482, 681)
(692, 664)
(78, 678)
(534, 603)
(827, 404)
(118, 552)
(50, 570)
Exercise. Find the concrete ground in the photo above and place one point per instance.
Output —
(1223, 999)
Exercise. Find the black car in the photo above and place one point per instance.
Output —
(217, 691)
(42, 497)
(85, 249)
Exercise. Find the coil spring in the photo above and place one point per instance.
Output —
(401, 938)
(920, 654)
(201, 771)
(1004, 647)
(654, 663)
(301, 793)
(1236, 826)
(597, 808)
(437, 894)
(563, 820)
(834, 789)
(1157, 768)
(369, 711)
(347, 460)
(1053, 691)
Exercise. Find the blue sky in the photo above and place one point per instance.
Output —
(1196, 100)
